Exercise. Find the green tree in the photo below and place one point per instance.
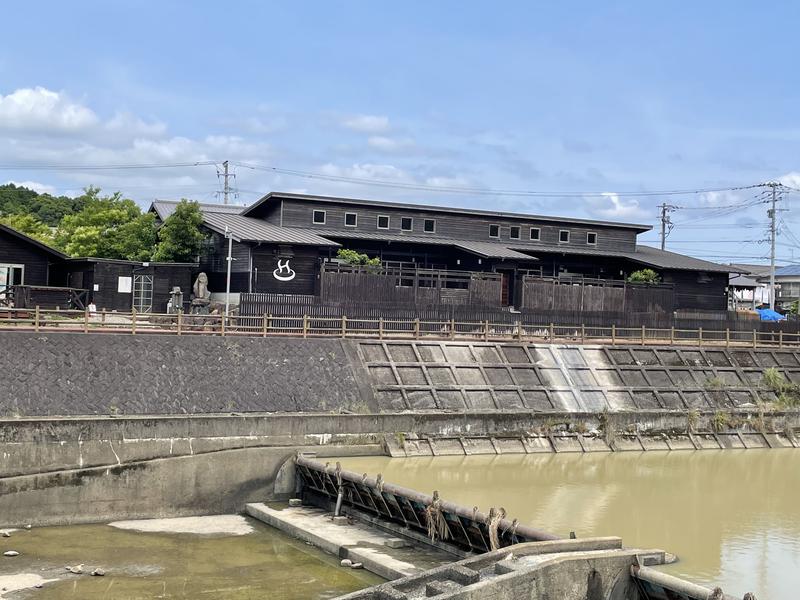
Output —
(30, 226)
(48, 209)
(356, 258)
(180, 237)
(644, 276)
(108, 227)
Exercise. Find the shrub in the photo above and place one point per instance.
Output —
(644, 276)
(352, 257)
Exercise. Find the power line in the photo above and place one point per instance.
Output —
(104, 167)
(480, 191)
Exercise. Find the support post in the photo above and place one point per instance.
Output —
(265, 326)
(486, 330)
(672, 335)
(613, 334)
(519, 330)
(344, 326)
(305, 326)
(583, 333)
(380, 328)
(103, 317)
(133, 321)
(642, 335)
(699, 336)
(755, 339)
(85, 320)
(452, 329)
(36, 319)
(780, 338)
(727, 337)
(180, 321)
(222, 323)
(552, 332)
(416, 328)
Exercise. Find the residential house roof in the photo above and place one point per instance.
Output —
(218, 217)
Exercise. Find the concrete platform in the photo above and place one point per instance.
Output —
(356, 541)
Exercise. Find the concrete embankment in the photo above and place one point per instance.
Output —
(69, 470)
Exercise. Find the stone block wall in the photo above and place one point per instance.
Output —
(507, 376)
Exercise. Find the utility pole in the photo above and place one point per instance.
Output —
(229, 236)
(772, 213)
(666, 223)
(226, 189)
(226, 176)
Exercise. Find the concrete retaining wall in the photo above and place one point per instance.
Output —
(69, 470)
(83, 374)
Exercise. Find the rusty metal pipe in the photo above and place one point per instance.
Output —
(530, 533)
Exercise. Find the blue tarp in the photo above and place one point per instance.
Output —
(768, 314)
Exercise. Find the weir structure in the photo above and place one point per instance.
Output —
(504, 559)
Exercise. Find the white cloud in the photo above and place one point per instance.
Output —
(41, 188)
(791, 179)
(40, 109)
(368, 171)
(129, 124)
(721, 198)
(611, 206)
(389, 144)
(367, 123)
(458, 182)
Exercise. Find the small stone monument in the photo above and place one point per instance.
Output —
(175, 304)
(201, 295)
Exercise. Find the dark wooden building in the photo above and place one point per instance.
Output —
(286, 243)
(24, 260)
(120, 285)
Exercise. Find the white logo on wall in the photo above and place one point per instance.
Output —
(284, 272)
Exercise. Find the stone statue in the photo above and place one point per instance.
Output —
(201, 295)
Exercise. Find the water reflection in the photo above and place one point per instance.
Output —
(732, 516)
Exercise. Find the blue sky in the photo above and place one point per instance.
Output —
(579, 97)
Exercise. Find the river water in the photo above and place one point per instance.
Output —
(257, 563)
(732, 517)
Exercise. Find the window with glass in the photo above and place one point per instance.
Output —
(11, 275)
(350, 219)
(514, 233)
(383, 222)
(535, 234)
(319, 217)
(429, 226)
(563, 236)
(494, 231)
(591, 238)
(407, 224)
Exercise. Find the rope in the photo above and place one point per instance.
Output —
(437, 524)
(493, 521)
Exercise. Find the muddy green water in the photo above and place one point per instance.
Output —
(260, 565)
(733, 517)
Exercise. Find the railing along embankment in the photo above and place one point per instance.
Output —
(76, 321)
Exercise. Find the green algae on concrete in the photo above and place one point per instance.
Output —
(138, 565)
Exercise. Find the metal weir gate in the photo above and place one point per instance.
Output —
(467, 529)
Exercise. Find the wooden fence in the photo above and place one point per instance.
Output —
(347, 285)
(308, 326)
(255, 305)
(594, 295)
